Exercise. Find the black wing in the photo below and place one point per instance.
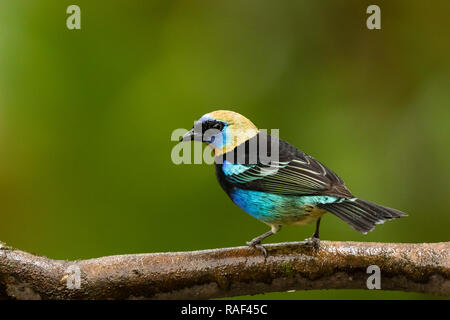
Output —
(296, 173)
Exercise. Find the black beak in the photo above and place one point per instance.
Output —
(192, 135)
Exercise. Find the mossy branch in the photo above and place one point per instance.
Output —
(227, 272)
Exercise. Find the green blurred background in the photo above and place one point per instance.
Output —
(86, 118)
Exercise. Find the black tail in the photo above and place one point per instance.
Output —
(362, 215)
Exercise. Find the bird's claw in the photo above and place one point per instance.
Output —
(3, 246)
(258, 246)
(313, 242)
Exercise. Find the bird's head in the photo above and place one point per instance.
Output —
(222, 130)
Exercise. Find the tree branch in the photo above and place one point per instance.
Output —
(227, 272)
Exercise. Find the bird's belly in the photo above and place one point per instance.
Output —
(280, 209)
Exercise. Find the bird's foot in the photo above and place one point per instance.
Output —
(313, 242)
(3, 246)
(259, 246)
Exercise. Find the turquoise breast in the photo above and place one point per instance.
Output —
(278, 209)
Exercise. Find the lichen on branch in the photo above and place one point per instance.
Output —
(227, 272)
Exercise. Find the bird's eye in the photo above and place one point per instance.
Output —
(218, 125)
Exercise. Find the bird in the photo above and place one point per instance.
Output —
(291, 188)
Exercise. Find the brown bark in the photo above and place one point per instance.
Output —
(227, 272)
